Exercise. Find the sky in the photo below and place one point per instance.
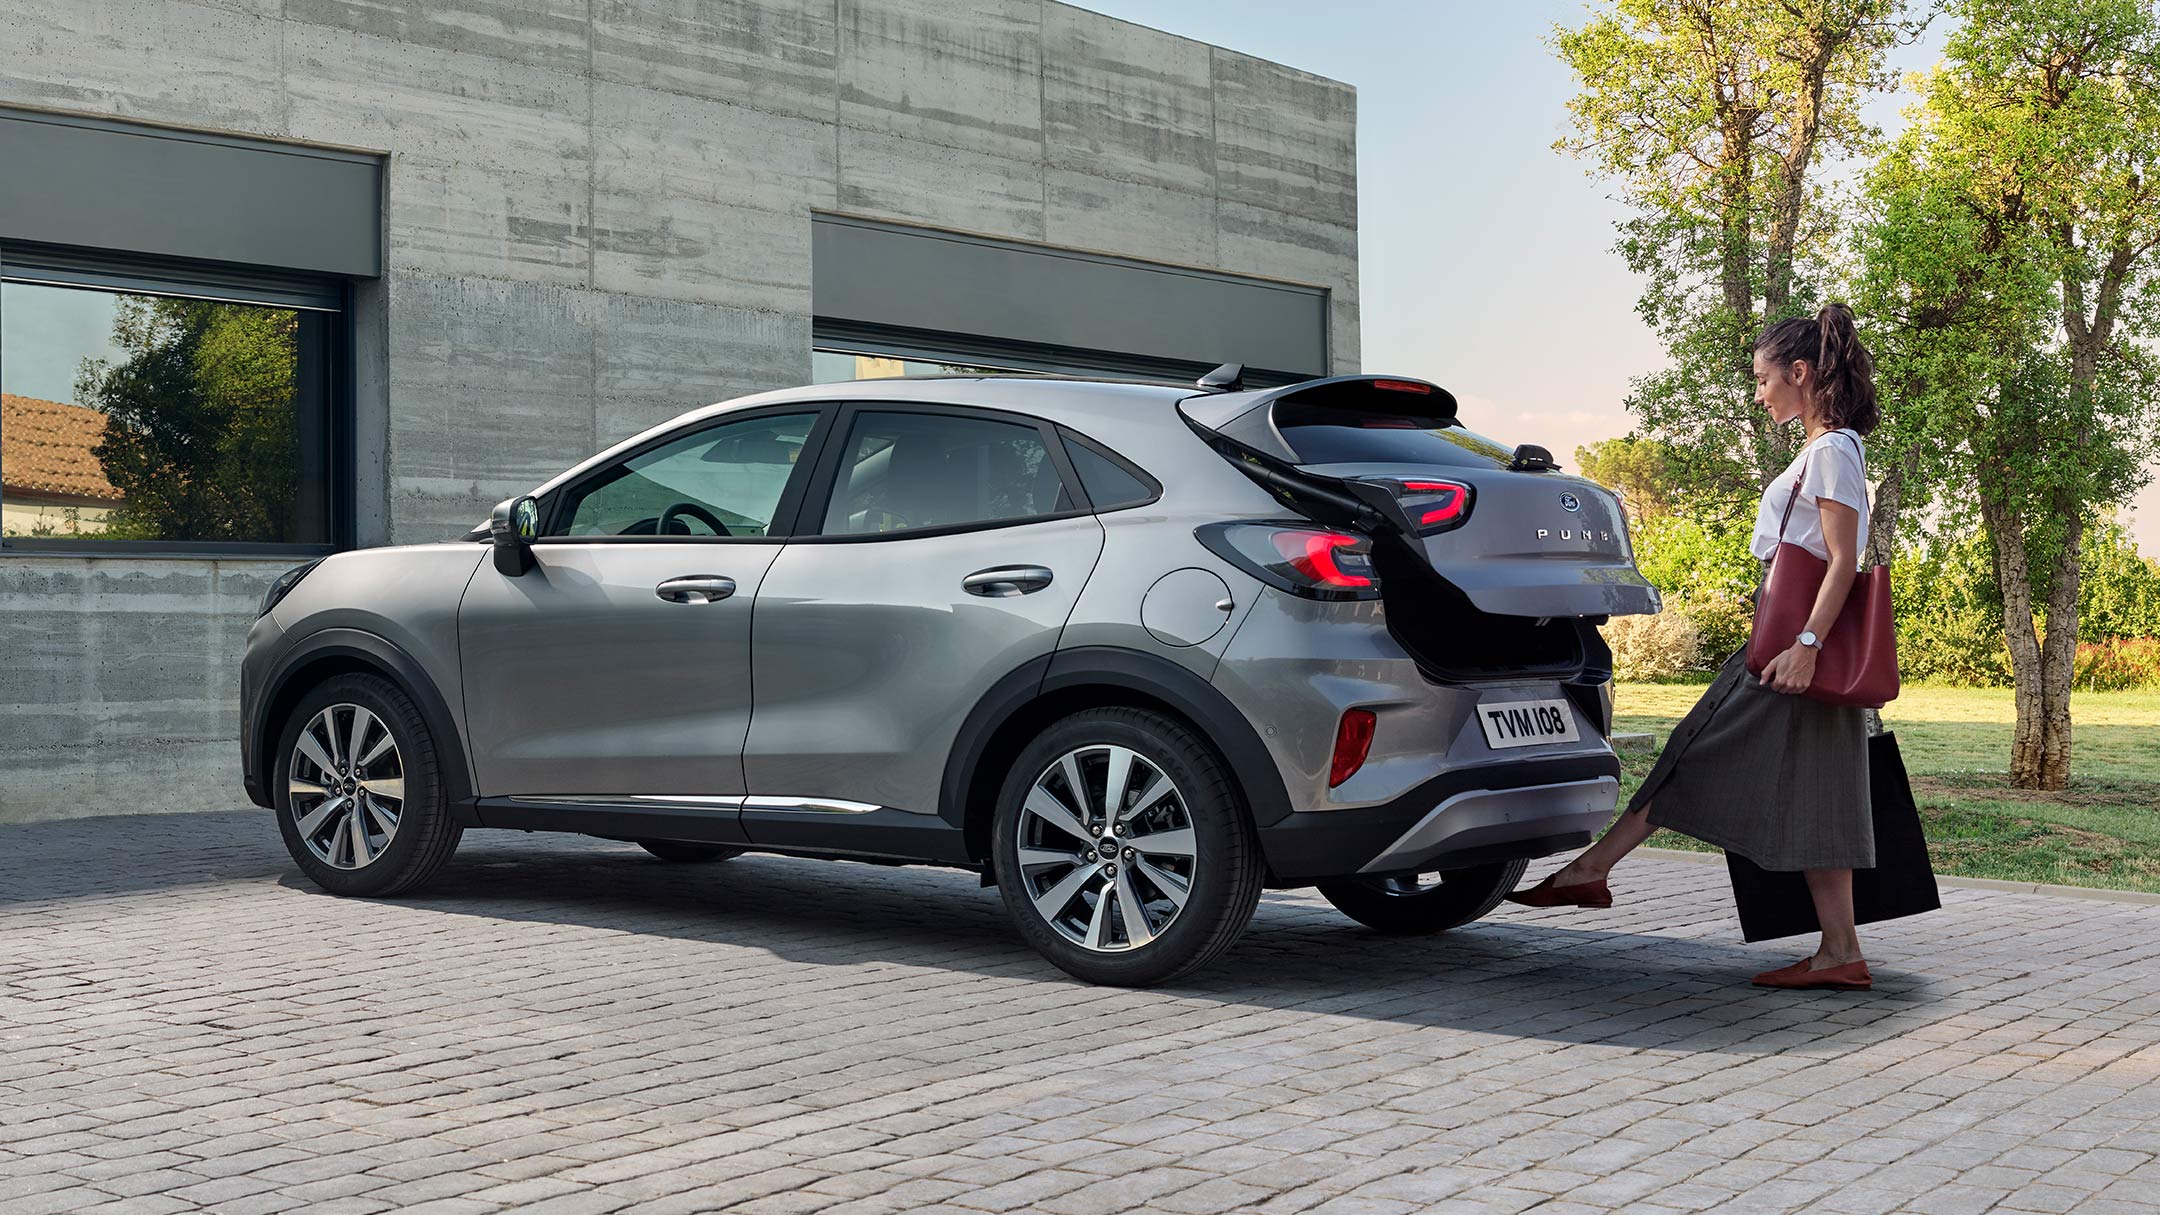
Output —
(1485, 257)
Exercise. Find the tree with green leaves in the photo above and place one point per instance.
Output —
(1712, 118)
(2011, 255)
(201, 434)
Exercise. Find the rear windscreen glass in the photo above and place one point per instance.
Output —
(1324, 435)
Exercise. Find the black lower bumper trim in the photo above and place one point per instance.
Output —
(1311, 845)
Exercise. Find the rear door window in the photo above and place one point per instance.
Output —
(911, 471)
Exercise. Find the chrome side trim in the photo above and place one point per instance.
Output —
(683, 801)
(809, 805)
(1525, 813)
(699, 801)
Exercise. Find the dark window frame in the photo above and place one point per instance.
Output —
(787, 513)
(144, 274)
(819, 498)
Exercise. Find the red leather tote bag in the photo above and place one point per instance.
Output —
(1858, 662)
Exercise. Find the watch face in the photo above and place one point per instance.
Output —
(1808, 639)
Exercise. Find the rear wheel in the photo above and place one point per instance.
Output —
(1122, 851)
(678, 852)
(1420, 904)
(359, 791)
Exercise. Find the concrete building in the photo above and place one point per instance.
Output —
(401, 260)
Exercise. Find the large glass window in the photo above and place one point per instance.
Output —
(725, 480)
(902, 471)
(139, 417)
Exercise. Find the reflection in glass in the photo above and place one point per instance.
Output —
(142, 417)
(840, 366)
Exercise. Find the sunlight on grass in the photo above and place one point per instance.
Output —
(2102, 831)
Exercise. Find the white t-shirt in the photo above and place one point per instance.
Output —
(1837, 470)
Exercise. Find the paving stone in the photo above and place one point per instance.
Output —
(562, 1025)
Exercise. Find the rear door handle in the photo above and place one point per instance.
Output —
(1006, 581)
(696, 588)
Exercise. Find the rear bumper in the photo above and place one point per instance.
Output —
(1469, 817)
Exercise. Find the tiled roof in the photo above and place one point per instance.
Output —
(45, 449)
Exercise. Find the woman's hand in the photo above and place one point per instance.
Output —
(1793, 671)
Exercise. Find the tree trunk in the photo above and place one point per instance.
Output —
(2058, 654)
(2013, 578)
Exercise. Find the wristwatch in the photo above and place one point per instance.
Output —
(1810, 640)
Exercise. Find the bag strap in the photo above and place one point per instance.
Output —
(1800, 480)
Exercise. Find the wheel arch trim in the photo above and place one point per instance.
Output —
(1221, 724)
(357, 646)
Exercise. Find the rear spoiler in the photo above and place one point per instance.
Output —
(1247, 418)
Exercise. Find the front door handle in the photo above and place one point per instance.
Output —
(696, 588)
(1006, 581)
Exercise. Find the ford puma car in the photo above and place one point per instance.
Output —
(1132, 653)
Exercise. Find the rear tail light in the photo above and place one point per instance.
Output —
(1353, 741)
(1436, 506)
(1312, 562)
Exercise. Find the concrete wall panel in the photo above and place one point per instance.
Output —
(774, 55)
(187, 64)
(539, 33)
(886, 177)
(656, 358)
(704, 200)
(965, 73)
(1106, 215)
(1285, 139)
(1125, 102)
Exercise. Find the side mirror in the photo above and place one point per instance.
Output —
(512, 528)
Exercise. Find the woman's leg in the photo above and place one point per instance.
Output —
(1625, 835)
(1832, 891)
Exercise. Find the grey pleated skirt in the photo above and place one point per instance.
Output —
(1779, 779)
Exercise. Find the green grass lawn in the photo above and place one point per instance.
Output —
(2104, 830)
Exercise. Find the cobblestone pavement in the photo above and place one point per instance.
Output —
(565, 1025)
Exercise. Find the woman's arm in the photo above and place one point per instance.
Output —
(1794, 670)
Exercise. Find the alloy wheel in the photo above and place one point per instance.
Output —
(1107, 848)
(346, 786)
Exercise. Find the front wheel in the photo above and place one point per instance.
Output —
(358, 789)
(1122, 851)
(1420, 904)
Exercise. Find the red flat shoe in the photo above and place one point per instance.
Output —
(1852, 976)
(1581, 894)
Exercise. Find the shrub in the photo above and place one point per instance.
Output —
(2118, 665)
(1653, 647)
(1722, 621)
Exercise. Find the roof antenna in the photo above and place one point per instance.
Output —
(1230, 377)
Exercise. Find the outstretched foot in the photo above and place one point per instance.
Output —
(1553, 893)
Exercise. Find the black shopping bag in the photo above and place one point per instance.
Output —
(1902, 883)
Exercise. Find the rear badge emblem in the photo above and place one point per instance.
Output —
(1569, 502)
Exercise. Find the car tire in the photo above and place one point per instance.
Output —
(1186, 861)
(680, 852)
(1413, 907)
(405, 830)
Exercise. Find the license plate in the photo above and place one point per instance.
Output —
(1527, 723)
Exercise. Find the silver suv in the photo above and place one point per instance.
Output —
(1131, 653)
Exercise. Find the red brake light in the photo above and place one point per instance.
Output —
(1313, 555)
(1436, 504)
(1403, 386)
(1353, 740)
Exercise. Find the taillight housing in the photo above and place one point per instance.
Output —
(1353, 742)
(1304, 559)
(1436, 506)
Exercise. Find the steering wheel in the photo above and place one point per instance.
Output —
(693, 510)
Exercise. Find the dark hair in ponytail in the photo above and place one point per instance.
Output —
(1844, 374)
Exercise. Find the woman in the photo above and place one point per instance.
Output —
(1755, 767)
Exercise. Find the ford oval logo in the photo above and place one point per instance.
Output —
(1569, 502)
